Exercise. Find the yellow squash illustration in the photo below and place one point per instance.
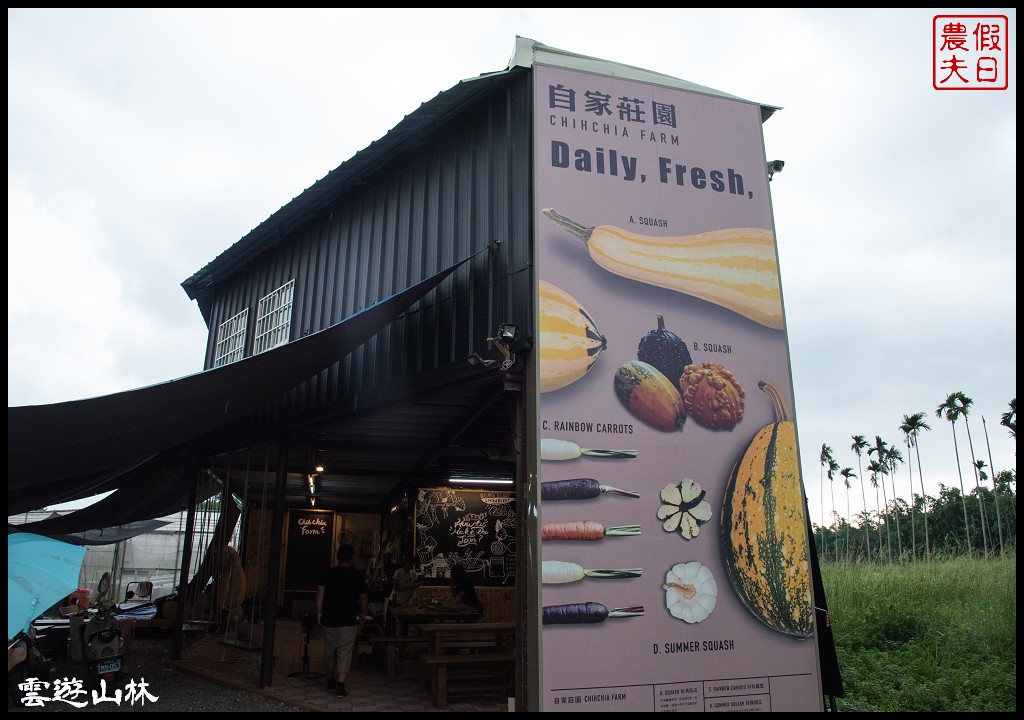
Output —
(569, 340)
(735, 268)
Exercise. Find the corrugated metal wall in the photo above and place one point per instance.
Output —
(451, 194)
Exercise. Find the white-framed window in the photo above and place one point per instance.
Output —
(231, 339)
(274, 319)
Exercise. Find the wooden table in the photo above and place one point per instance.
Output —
(406, 615)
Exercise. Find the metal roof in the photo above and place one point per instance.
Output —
(426, 118)
(325, 192)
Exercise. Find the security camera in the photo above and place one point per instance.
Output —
(775, 166)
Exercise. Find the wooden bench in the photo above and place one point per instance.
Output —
(465, 638)
(462, 643)
(393, 646)
(494, 666)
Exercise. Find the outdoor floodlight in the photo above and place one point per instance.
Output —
(507, 333)
(505, 337)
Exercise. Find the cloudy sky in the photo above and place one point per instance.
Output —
(143, 143)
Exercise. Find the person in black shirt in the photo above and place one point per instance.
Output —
(342, 602)
(463, 590)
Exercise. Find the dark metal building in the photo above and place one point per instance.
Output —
(450, 182)
(425, 398)
(327, 349)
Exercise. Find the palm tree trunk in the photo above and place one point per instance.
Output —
(977, 484)
(896, 511)
(849, 518)
(924, 503)
(821, 487)
(888, 525)
(878, 507)
(864, 497)
(913, 528)
(835, 516)
(995, 488)
(963, 495)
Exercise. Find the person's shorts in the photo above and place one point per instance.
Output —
(338, 645)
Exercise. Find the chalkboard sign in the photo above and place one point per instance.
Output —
(472, 528)
(310, 548)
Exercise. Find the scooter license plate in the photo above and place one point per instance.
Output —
(108, 666)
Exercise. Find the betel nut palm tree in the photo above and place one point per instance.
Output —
(1009, 419)
(847, 473)
(912, 427)
(858, 446)
(876, 468)
(965, 404)
(892, 457)
(880, 449)
(833, 468)
(910, 480)
(995, 487)
(825, 458)
(950, 410)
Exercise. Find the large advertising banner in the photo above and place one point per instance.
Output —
(674, 549)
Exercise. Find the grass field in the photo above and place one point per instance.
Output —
(925, 637)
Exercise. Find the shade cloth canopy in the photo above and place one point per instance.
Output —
(104, 536)
(130, 441)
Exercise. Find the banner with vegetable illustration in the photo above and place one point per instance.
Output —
(674, 552)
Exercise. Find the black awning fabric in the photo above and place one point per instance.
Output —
(158, 487)
(103, 536)
(53, 449)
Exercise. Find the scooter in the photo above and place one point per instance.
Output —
(104, 647)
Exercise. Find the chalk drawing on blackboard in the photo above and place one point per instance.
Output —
(501, 511)
(434, 567)
(433, 501)
(502, 498)
(504, 539)
(469, 529)
(472, 563)
(496, 567)
(425, 550)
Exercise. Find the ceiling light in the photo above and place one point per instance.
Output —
(477, 481)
